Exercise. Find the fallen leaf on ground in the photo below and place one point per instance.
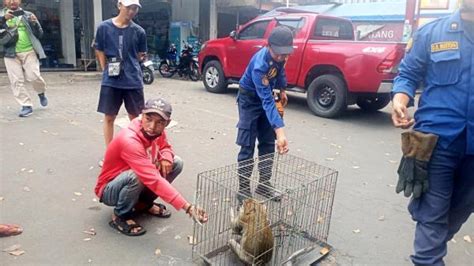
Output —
(94, 200)
(324, 251)
(73, 199)
(355, 167)
(21, 143)
(177, 237)
(94, 208)
(453, 240)
(2, 198)
(356, 231)
(387, 154)
(226, 200)
(27, 189)
(78, 193)
(87, 239)
(45, 131)
(320, 220)
(392, 161)
(329, 159)
(31, 171)
(54, 133)
(12, 248)
(191, 240)
(391, 185)
(89, 260)
(92, 167)
(467, 239)
(158, 252)
(17, 252)
(23, 169)
(381, 218)
(90, 232)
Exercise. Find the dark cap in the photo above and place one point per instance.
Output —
(159, 106)
(281, 40)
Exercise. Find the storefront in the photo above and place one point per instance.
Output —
(154, 17)
(69, 28)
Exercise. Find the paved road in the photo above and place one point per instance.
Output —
(49, 168)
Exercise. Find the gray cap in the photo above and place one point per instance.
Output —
(159, 106)
(281, 40)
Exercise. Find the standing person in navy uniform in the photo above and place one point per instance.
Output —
(441, 59)
(258, 114)
(120, 46)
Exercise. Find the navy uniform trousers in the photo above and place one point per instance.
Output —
(448, 203)
(253, 125)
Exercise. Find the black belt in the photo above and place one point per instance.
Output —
(247, 92)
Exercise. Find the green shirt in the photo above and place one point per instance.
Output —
(24, 43)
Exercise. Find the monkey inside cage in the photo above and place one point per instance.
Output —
(276, 213)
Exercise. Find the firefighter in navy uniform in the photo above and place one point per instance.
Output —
(438, 174)
(259, 117)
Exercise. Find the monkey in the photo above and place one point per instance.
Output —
(256, 244)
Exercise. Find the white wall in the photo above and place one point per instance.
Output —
(67, 31)
(97, 13)
(185, 10)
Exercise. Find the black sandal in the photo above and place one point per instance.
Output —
(164, 213)
(123, 227)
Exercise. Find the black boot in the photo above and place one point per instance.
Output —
(265, 188)
(245, 172)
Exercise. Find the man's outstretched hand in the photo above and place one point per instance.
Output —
(197, 214)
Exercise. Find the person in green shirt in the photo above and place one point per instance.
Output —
(21, 56)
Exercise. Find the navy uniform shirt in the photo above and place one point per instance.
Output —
(441, 59)
(134, 42)
(262, 75)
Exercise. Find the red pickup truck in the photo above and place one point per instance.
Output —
(334, 70)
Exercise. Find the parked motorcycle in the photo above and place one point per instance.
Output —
(188, 64)
(147, 70)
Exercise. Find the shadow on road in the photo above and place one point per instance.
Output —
(353, 114)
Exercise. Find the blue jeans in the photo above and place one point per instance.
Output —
(448, 203)
(126, 191)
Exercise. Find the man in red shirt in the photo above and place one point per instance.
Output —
(139, 166)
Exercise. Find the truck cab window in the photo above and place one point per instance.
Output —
(295, 25)
(254, 31)
(331, 29)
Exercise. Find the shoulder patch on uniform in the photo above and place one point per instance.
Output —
(265, 81)
(444, 46)
(454, 26)
(272, 73)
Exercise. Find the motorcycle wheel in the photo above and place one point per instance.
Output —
(148, 77)
(194, 72)
(164, 70)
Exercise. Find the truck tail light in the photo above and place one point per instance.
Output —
(390, 63)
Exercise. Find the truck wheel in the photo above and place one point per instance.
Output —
(372, 104)
(327, 96)
(213, 77)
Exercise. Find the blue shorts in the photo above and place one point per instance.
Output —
(110, 100)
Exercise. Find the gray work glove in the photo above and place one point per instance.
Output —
(417, 148)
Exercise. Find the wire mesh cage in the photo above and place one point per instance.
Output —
(274, 212)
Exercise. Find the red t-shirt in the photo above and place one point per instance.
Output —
(130, 150)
